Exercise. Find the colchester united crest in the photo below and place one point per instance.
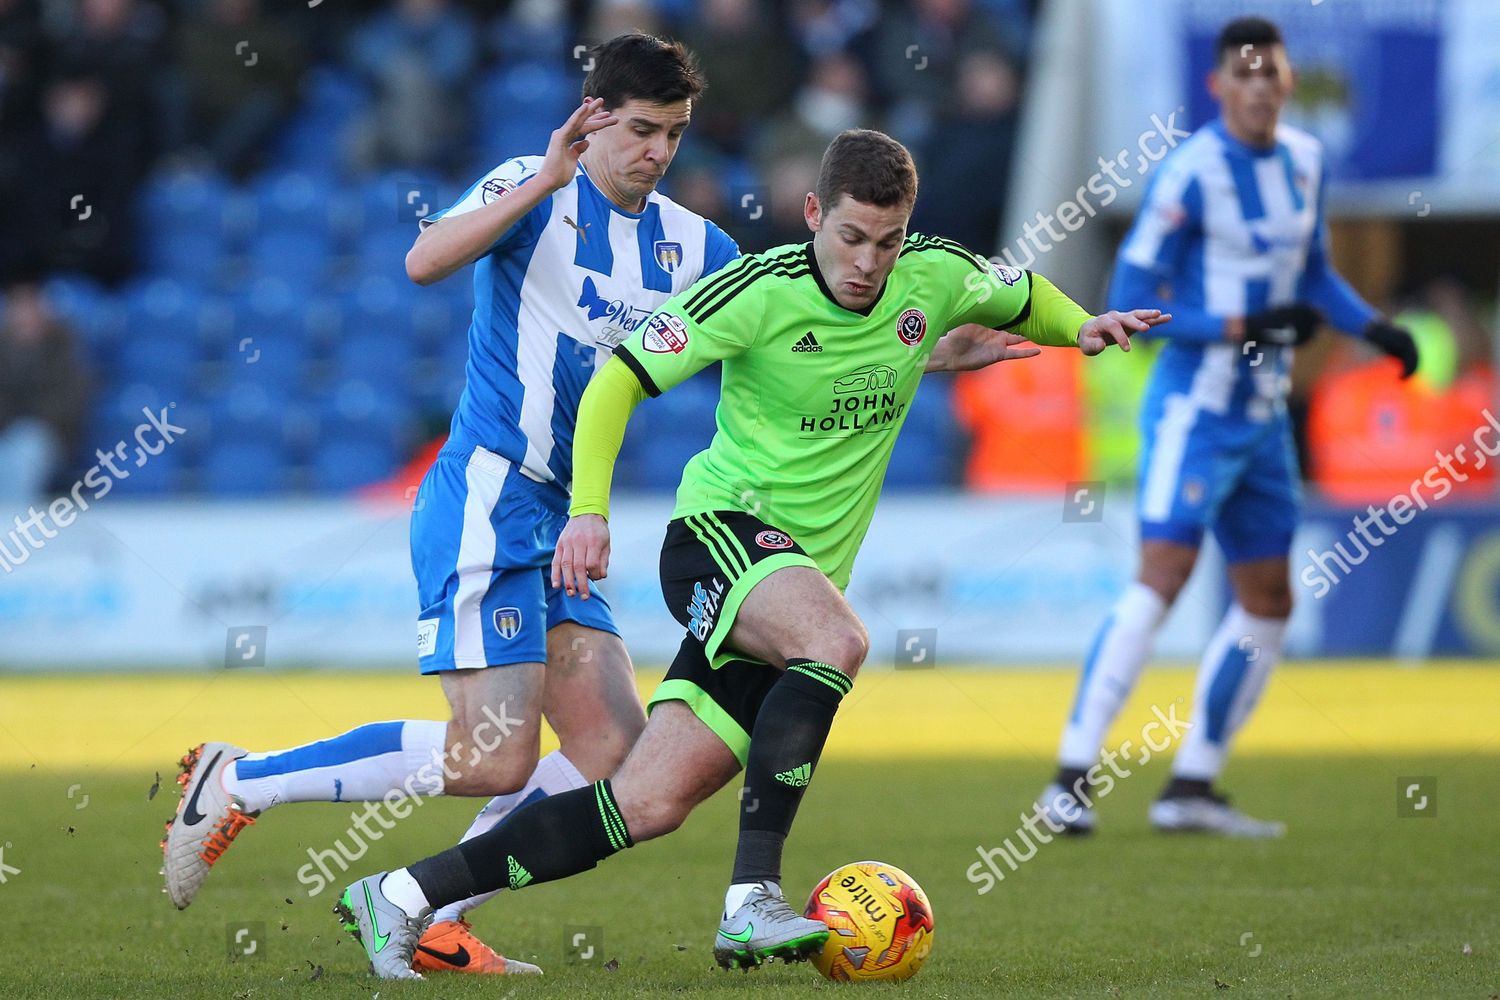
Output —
(508, 622)
(668, 254)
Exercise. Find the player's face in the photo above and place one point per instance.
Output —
(856, 245)
(1252, 86)
(631, 157)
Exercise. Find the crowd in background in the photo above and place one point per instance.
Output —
(166, 156)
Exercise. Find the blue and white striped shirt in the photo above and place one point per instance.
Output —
(553, 297)
(1229, 230)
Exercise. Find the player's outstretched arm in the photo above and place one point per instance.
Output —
(583, 548)
(1053, 318)
(456, 241)
(973, 346)
(1116, 327)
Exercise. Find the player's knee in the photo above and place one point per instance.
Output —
(653, 815)
(848, 644)
(1166, 577)
(493, 776)
(1269, 602)
(476, 769)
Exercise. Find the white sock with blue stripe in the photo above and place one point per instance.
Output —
(1120, 649)
(362, 765)
(554, 773)
(1236, 666)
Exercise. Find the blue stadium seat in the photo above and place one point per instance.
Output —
(302, 259)
(157, 475)
(159, 343)
(247, 468)
(94, 314)
(332, 98)
(247, 409)
(184, 237)
(355, 407)
(928, 453)
(270, 338)
(345, 464)
(520, 106)
(292, 201)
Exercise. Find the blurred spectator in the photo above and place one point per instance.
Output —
(834, 98)
(750, 66)
(918, 55)
(21, 69)
(240, 72)
(826, 26)
(1370, 435)
(789, 180)
(966, 161)
(69, 184)
(609, 18)
(537, 30)
(419, 58)
(44, 395)
(122, 41)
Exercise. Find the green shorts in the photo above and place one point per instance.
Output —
(726, 699)
(711, 561)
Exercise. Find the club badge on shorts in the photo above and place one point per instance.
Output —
(508, 622)
(773, 539)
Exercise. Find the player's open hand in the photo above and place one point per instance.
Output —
(569, 141)
(1115, 327)
(582, 554)
(974, 346)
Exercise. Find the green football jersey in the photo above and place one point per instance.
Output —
(813, 394)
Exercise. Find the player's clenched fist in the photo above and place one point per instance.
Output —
(1115, 327)
(582, 554)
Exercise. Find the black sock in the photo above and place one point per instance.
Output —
(1188, 788)
(553, 838)
(1074, 779)
(788, 738)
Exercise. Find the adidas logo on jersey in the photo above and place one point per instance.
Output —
(519, 876)
(797, 777)
(807, 345)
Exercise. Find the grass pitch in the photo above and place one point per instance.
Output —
(923, 768)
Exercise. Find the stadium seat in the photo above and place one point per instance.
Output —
(245, 468)
(928, 453)
(520, 106)
(185, 238)
(94, 314)
(157, 475)
(159, 342)
(311, 141)
(347, 463)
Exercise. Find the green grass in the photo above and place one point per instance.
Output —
(1354, 902)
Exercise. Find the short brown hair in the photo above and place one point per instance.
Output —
(868, 166)
(643, 67)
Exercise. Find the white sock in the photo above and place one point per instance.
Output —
(1236, 666)
(362, 765)
(400, 888)
(736, 895)
(554, 773)
(1120, 649)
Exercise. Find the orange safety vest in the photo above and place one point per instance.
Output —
(1025, 418)
(1371, 435)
